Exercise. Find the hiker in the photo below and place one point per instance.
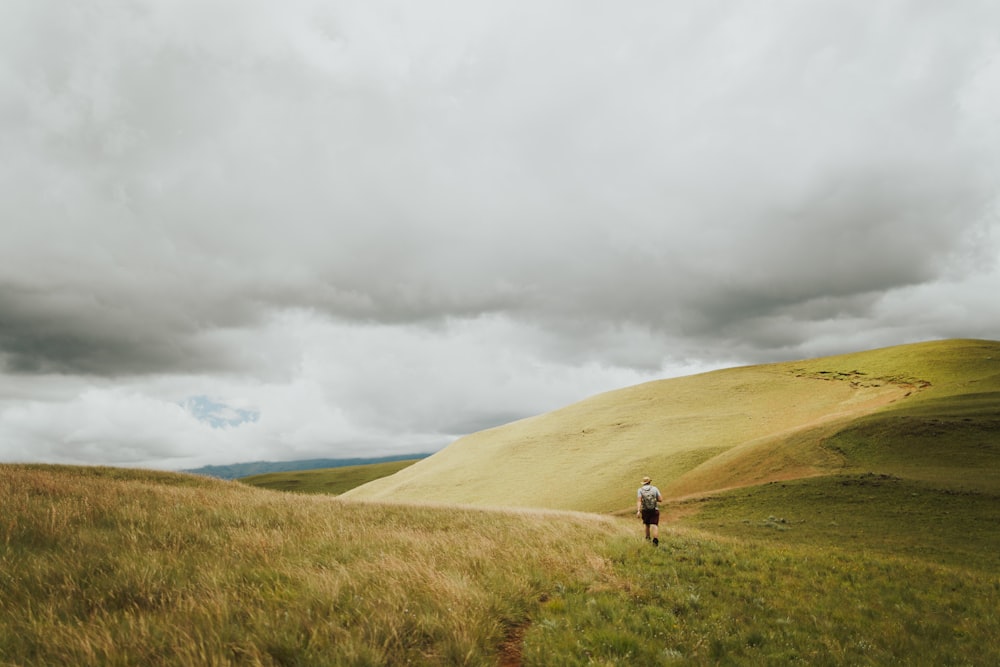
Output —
(645, 508)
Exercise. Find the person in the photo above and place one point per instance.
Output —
(648, 509)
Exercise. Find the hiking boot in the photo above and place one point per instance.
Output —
(656, 541)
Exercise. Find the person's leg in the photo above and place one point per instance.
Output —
(654, 528)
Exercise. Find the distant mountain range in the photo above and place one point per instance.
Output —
(239, 470)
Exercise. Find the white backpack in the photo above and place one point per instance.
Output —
(649, 495)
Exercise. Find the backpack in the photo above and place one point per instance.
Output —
(648, 494)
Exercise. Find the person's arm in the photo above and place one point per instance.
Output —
(638, 504)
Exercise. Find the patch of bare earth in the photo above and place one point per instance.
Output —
(510, 649)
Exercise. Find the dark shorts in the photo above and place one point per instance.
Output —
(651, 517)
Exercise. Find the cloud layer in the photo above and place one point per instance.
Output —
(378, 227)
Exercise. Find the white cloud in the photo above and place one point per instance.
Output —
(379, 225)
(356, 390)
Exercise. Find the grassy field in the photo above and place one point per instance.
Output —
(326, 480)
(880, 514)
(109, 567)
(113, 567)
(707, 599)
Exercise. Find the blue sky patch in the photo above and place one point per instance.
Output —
(218, 414)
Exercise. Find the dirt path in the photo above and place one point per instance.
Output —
(510, 650)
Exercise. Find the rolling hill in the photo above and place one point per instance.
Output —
(326, 480)
(925, 410)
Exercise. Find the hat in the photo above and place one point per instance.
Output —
(646, 479)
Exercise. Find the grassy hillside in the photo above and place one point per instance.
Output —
(928, 409)
(116, 567)
(113, 567)
(326, 480)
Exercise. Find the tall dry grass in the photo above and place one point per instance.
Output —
(103, 567)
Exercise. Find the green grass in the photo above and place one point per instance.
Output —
(952, 440)
(703, 600)
(326, 480)
(876, 513)
(856, 569)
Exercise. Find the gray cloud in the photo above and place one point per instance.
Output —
(195, 189)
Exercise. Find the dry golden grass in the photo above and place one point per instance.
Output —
(112, 567)
(718, 430)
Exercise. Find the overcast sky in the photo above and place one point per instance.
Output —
(234, 230)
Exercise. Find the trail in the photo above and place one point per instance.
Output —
(510, 650)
